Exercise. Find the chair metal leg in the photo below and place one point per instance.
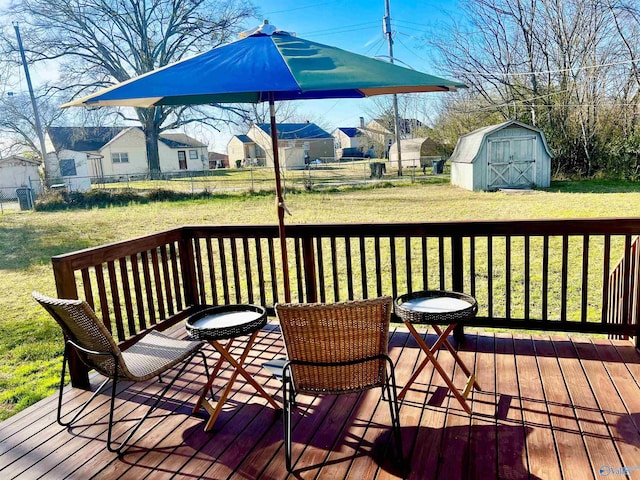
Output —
(394, 409)
(288, 396)
(119, 449)
(59, 414)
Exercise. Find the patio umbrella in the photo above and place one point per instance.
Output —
(267, 65)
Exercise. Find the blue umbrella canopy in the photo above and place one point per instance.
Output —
(267, 65)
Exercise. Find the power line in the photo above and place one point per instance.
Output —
(544, 72)
(341, 27)
(348, 30)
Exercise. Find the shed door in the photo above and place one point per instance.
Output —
(511, 162)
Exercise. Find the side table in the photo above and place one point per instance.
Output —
(435, 308)
(227, 322)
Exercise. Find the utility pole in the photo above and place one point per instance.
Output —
(33, 98)
(386, 26)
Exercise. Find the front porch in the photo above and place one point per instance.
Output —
(550, 407)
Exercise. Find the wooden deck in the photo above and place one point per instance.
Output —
(550, 407)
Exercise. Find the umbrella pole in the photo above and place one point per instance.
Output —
(280, 202)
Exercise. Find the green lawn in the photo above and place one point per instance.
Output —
(30, 342)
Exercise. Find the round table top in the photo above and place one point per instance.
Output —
(436, 306)
(226, 321)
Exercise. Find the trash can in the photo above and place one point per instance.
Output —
(24, 198)
(438, 166)
(377, 169)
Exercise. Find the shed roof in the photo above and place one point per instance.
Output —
(18, 158)
(296, 131)
(469, 145)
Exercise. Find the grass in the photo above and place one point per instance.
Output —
(31, 343)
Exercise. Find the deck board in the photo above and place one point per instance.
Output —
(550, 407)
(542, 460)
(596, 435)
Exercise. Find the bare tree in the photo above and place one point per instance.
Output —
(17, 121)
(557, 64)
(101, 42)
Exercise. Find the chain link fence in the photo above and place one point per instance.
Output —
(318, 174)
(20, 197)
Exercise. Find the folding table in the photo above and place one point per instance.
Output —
(435, 308)
(227, 322)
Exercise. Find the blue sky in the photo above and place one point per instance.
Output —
(356, 25)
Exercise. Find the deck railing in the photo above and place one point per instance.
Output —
(563, 275)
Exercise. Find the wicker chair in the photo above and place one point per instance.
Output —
(150, 357)
(334, 349)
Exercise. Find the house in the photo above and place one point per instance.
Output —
(507, 155)
(242, 150)
(415, 152)
(16, 172)
(218, 160)
(381, 132)
(298, 143)
(113, 152)
(349, 142)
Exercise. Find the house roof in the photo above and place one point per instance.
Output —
(179, 140)
(82, 139)
(92, 139)
(469, 145)
(244, 139)
(296, 131)
(351, 132)
(217, 156)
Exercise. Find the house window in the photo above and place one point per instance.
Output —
(120, 157)
(182, 159)
(68, 167)
(193, 154)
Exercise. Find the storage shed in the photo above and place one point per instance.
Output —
(508, 155)
(15, 172)
(413, 150)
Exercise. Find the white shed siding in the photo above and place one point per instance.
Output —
(509, 155)
(17, 172)
(463, 172)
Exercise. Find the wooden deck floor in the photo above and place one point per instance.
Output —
(550, 407)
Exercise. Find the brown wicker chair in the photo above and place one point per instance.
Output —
(150, 357)
(334, 349)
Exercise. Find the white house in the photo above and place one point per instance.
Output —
(349, 142)
(243, 149)
(112, 152)
(298, 143)
(15, 172)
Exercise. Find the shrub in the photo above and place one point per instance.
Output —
(57, 200)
